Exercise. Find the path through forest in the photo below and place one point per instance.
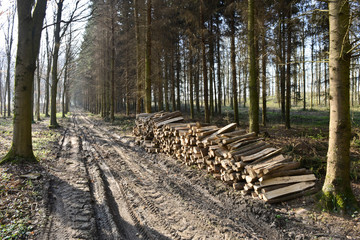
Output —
(105, 187)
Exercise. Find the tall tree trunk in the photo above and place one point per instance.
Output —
(303, 67)
(54, 72)
(319, 80)
(218, 56)
(48, 70)
(178, 70)
(282, 67)
(191, 81)
(288, 71)
(325, 83)
(211, 70)
(312, 76)
(337, 193)
(112, 46)
(264, 87)
(277, 83)
(245, 84)
(197, 87)
(29, 34)
(204, 67)
(139, 81)
(8, 85)
(172, 77)
(9, 43)
(127, 82)
(233, 67)
(38, 93)
(254, 95)
(166, 83)
(148, 60)
(160, 85)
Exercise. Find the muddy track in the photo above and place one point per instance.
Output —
(160, 196)
(69, 209)
(104, 187)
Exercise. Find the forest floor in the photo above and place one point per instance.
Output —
(94, 183)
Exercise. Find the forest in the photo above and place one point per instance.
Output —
(75, 72)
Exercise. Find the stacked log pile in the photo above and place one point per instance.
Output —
(243, 160)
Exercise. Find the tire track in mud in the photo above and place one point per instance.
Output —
(69, 214)
(199, 214)
(119, 188)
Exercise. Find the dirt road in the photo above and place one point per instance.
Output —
(104, 187)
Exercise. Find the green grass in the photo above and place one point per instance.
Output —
(41, 141)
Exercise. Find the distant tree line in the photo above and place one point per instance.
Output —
(193, 56)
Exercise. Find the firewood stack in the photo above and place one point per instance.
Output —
(240, 159)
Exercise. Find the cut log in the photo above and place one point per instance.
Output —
(246, 148)
(236, 138)
(207, 128)
(258, 155)
(286, 190)
(268, 162)
(288, 197)
(270, 155)
(276, 167)
(243, 142)
(168, 116)
(234, 133)
(294, 172)
(228, 128)
(177, 119)
(288, 179)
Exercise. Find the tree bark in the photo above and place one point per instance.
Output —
(204, 67)
(288, 71)
(172, 77)
(211, 70)
(9, 43)
(233, 67)
(47, 80)
(38, 93)
(8, 84)
(303, 67)
(312, 76)
(29, 34)
(219, 68)
(191, 81)
(282, 67)
(139, 83)
(112, 45)
(264, 87)
(148, 60)
(254, 95)
(166, 83)
(54, 72)
(178, 70)
(337, 193)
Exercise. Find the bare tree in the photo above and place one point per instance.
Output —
(254, 94)
(148, 60)
(30, 18)
(59, 33)
(9, 39)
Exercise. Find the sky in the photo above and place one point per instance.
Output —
(69, 5)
